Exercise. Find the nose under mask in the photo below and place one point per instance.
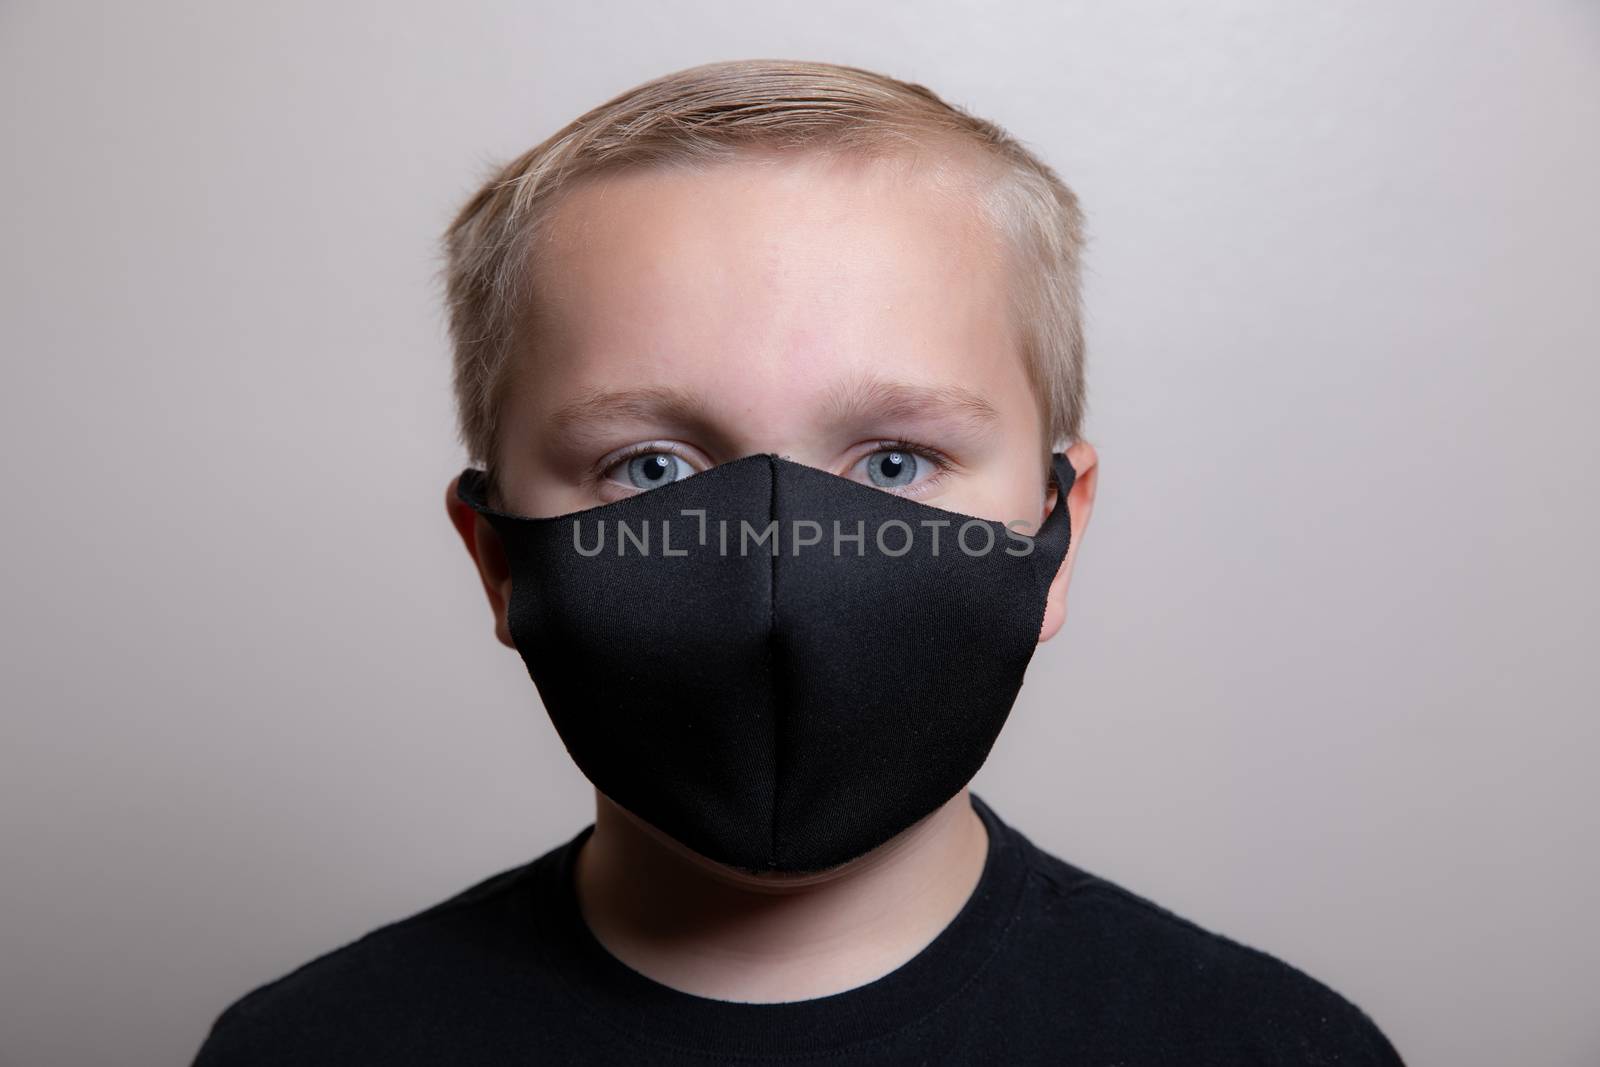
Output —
(779, 667)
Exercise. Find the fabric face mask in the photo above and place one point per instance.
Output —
(777, 666)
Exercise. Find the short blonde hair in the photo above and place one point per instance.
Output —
(710, 113)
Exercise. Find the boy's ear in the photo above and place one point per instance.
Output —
(487, 552)
(1080, 504)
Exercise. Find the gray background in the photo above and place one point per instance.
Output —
(1328, 681)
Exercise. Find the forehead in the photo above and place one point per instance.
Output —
(697, 206)
(775, 230)
(770, 269)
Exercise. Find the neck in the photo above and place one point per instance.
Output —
(714, 931)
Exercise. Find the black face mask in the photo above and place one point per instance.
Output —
(779, 667)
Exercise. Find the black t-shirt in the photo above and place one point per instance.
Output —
(1044, 964)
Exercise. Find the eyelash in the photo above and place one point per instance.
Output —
(942, 462)
(606, 465)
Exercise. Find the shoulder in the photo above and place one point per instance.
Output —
(346, 1003)
(1203, 987)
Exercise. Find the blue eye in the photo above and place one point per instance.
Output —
(651, 469)
(891, 469)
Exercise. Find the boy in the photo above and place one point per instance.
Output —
(734, 350)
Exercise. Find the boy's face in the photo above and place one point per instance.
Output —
(848, 317)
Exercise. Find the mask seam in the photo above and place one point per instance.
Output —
(772, 681)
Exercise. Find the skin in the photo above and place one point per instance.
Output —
(816, 309)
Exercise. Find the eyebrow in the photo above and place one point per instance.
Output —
(862, 399)
(868, 398)
(601, 405)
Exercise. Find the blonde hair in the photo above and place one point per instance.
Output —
(710, 113)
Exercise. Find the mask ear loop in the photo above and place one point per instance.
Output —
(472, 490)
(1054, 536)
